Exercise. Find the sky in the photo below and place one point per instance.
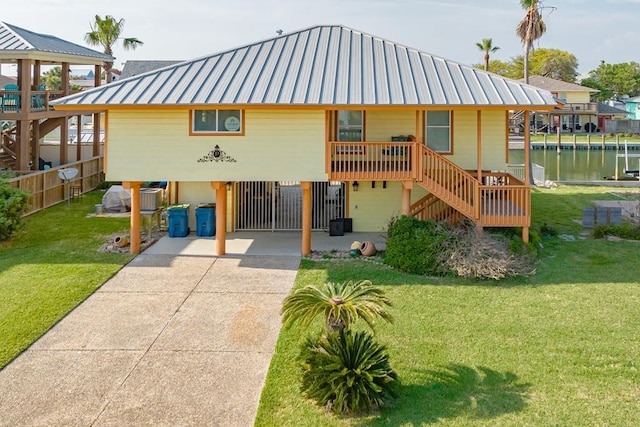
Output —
(592, 30)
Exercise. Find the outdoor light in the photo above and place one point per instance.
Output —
(355, 185)
(228, 185)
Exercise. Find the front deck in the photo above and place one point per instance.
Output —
(490, 199)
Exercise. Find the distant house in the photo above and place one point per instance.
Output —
(578, 113)
(6, 80)
(632, 106)
(302, 130)
(137, 67)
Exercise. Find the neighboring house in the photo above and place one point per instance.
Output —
(632, 106)
(136, 67)
(578, 113)
(298, 130)
(29, 105)
(6, 80)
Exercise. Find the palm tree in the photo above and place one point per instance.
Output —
(341, 304)
(486, 45)
(530, 29)
(106, 32)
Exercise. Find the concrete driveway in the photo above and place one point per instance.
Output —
(169, 340)
(177, 337)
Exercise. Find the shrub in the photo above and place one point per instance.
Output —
(347, 372)
(340, 304)
(13, 203)
(626, 230)
(413, 245)
(431, 248)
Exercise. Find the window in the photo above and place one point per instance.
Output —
(438, 131)
(350, 125)
(217, 121)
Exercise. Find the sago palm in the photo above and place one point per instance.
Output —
(106, 32)
(340, 304)
(486, 45)
(348, 372)
(530, 29)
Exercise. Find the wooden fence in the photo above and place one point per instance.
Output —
(47, 189)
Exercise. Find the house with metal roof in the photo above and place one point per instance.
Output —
(577, 114)
(27, 102)
(319, 127)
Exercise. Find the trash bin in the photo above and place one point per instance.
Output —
(336, 227)
(178, 218)
(206, 220)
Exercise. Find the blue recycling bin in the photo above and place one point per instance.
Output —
(178, 218)
(206, 220)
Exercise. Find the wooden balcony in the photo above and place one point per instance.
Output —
(12, 102)
(372, 161)
(579, 108)
(499, 200)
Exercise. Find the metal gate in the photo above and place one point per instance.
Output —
(277, 206)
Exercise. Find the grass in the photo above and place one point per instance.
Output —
(49, 267)
(558, 348)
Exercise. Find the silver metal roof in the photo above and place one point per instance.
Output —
(15, 39)
(318, 66)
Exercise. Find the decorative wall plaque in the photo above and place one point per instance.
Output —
(217, 155)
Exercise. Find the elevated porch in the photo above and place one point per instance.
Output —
(488, 198)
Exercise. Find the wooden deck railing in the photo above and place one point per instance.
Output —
(47, 189)
(500, 200)
(375, 161)
(450, 183)
(11, 100)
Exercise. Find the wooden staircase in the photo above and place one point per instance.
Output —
(503, 201)
(8, 149)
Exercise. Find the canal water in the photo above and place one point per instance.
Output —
(578, 165)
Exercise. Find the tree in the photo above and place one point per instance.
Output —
(615, 80)
(340, 304)
(486, 45)
(53, 78)
(106, 32)
(530, 29)
(554, 63)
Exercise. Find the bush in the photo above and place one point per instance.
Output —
(431, 248)
(625, 230)
(13, 204)
(347, 372)
(413, 246)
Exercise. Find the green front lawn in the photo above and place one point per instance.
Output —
(50, 266)
(559, 348)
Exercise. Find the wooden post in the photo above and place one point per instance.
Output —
(306, 217)
(221, 216)
(97, 74)
(406, 197)
(64, 141)
(527, 150)
(479, 145)
(134, 238)
(22, 147)
(79, 138)
(559, 147)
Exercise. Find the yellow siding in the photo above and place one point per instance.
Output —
(465, 132)
(382, 125)
(494, 143)
(372, 208)
(578, 97)
(155, 145)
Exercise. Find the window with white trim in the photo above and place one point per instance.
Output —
(217, 121)
(438, 131)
